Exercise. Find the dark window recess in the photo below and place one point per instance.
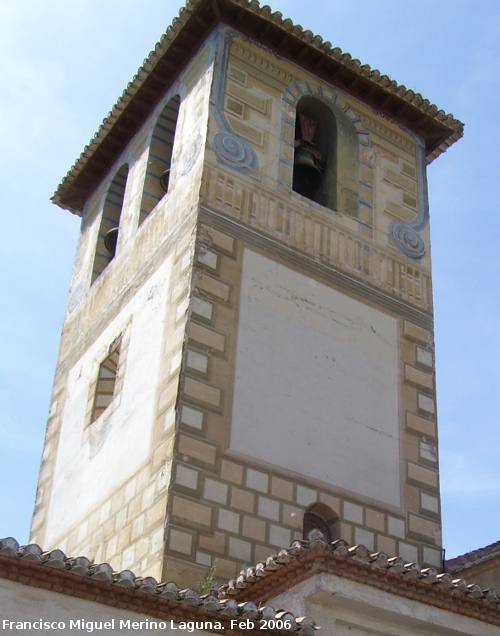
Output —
(110, 223)
(321, 523)
(157, 181)
(315, 146)
(106, 383)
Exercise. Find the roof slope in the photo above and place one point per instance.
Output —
(83, 579)
(181, 41)
(474, 558)
(247, 596)
(305, 559)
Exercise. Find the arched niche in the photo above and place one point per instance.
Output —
(321, 522)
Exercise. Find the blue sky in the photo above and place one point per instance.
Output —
(63, 65)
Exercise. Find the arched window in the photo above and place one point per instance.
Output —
(157, 179)
(321, 522)
(315, 142)
(110, 223)
(326, 157)
(106, 382)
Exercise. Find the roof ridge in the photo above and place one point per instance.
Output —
(474, 557)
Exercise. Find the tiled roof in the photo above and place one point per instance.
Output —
(474, 558)
(176, 47)
(305, 559)
(247, 595)
(81, 578)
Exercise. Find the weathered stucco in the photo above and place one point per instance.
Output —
(53, 613)
(348, 608)
(316, 382)
(94, 460)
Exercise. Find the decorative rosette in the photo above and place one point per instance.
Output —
(235, 152)
(407, 239)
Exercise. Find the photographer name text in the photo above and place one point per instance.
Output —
(120, 624)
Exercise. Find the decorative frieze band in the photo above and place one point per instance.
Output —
(314, 233)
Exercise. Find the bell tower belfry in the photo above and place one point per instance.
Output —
(247, 354)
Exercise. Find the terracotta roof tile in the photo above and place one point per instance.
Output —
(245, 596)
(473, 558)
(14, 557)
(304, 559)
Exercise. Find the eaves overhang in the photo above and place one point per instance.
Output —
(183, 39)
(82, 579)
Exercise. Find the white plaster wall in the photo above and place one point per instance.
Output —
(25, 603)
(316, 383)
(343, 607)
(93, 461)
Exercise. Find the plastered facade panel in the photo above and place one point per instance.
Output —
(87, 462)
(325, 370)
(269, 488)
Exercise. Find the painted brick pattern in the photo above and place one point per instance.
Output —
(250, 510)
(420, 437)
(298, 224)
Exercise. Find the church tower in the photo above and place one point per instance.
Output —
(247, 353)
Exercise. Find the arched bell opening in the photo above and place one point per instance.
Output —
(157, 181)
(109, 227)
(314, 159)
(321, 523)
